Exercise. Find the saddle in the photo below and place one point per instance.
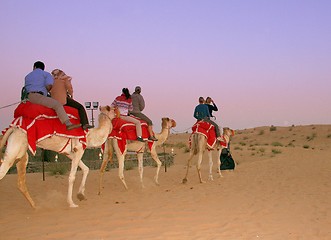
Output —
(206, 129)
(124, 131)
(40, 122)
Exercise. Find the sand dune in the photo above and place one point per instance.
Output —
(280, 189)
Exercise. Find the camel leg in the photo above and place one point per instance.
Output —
(188, 166)
(219, 162)
(121, 159)
(140, 156)
(210, 178)
(159, 164)
(81, 191)
(21, 184)
(72, 176)
(108, 154)
(199, 165)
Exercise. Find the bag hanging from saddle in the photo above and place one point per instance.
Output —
(24, 94)
(227, 162)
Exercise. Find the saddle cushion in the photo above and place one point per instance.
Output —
(123, 131)
(206, 129)
(41, 122)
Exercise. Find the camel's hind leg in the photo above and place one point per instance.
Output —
(140, 156)
(210, 177)
(159, 164)
(199, 166)
(121, 159)
(188, 166)
(108, 154)
(21, 184)
(81, 191)
(219, 151)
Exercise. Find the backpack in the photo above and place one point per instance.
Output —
(227, 162)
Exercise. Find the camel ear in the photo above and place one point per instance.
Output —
(173, 123)
(108, 108)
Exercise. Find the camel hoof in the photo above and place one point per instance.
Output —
(81, 197)
(184, 180)
(73, 205)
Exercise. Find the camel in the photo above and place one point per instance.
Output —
(17, 146)
(139, 148)
(199, 145)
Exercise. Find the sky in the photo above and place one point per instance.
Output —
(262, 62)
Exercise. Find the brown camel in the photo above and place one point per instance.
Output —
(139, 148)
(199, 145)
(17, 146)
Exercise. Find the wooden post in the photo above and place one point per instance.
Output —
(43, 160)
(165, 160)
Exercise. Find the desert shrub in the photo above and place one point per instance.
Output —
(168, 145)
(262, 150)
(311, 137)
(306, 146)
(186, 149)
(290, 144)
(276, 151)
(261, 132)
(180, 145)
(242, 143)
(328, 136)
(58, 169)
(237, 148)
(272, 128)
(276, 144)
(129, 165)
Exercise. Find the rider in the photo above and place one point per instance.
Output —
(37, 84)
(124, 105)
(139, 105)
(63, 91)
(201, 112)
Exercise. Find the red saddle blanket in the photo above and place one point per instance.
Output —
(206, 129)
(123, 131)
(41, 122)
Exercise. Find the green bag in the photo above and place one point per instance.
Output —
(24, 94)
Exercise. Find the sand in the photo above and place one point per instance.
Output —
(280, 189)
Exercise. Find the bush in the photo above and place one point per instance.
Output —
(272, 128)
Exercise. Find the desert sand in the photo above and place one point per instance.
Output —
(279, 190)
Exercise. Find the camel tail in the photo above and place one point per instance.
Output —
(4, 139)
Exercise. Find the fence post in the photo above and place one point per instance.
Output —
(165, 160)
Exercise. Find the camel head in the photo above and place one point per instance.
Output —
(168, 123)
(59, 74)
(108, 111)
(228, 132)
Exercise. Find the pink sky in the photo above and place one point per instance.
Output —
(263, 62)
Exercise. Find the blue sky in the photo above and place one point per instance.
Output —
(263, 62)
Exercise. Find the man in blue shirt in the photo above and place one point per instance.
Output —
(37, 84)
(201, 112)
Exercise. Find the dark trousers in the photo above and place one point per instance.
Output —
(81, 110)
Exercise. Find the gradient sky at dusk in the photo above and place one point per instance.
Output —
(263, 62)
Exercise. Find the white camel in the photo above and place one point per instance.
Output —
(199, 145)
(17, 146)
(139, 148)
